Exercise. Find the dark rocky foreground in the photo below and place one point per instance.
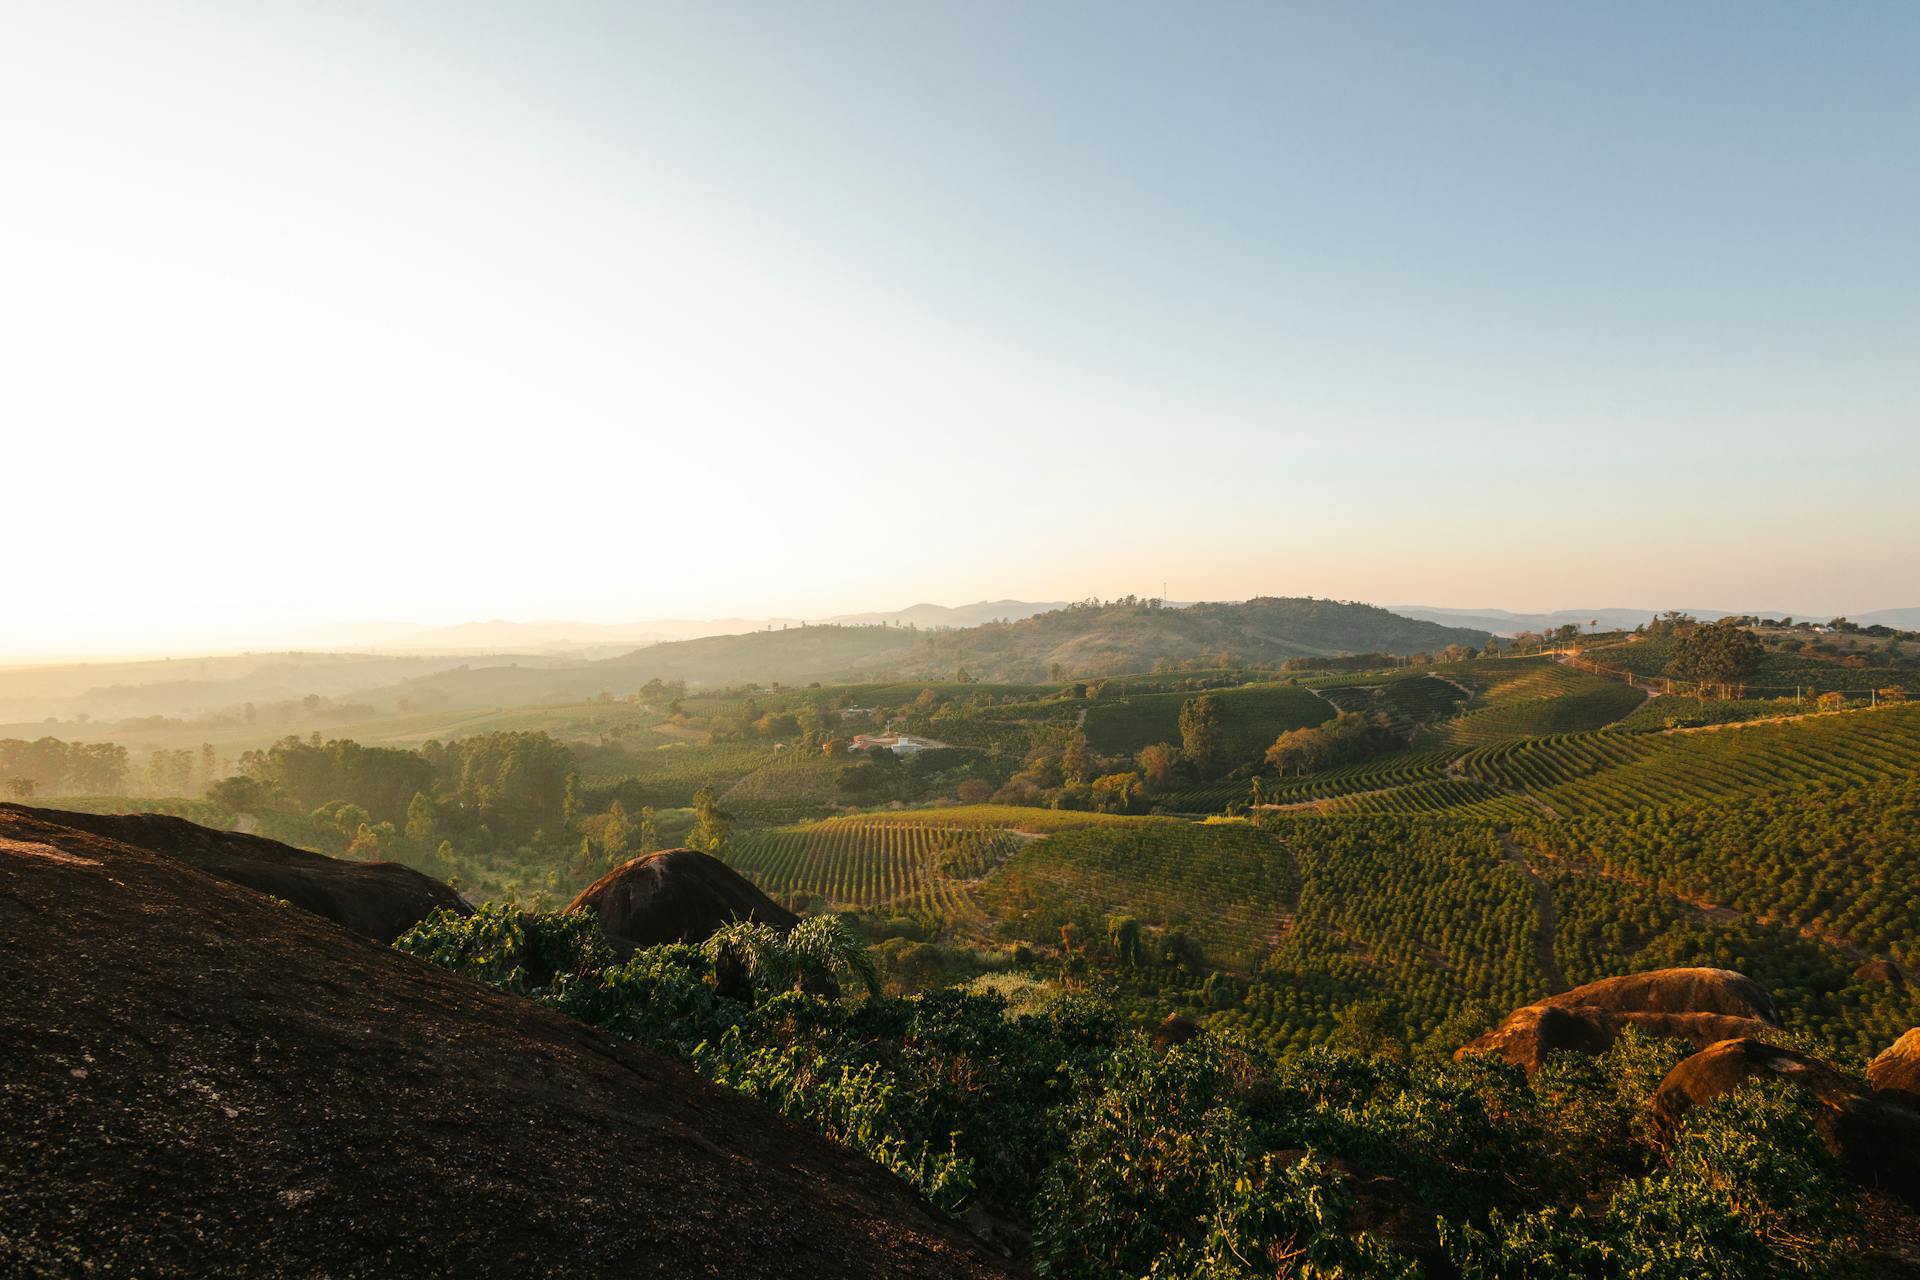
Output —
(196, 1079)
(377, 900)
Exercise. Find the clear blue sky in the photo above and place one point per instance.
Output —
(626, 310)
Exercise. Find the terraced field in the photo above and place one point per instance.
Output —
(1535, 697)
(1401, 768)
(1459, 797)
(918, 868)
(1601, 772)
(1011, 817)
(911, 861)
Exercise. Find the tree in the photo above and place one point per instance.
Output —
(1717, 653)
(1114, 792)
(1123, 936)
(171, 772)
(973, 790)
(1076, 761)
(613, 833)
(712, 829)
(1156, 764)
(351, 819)
(20, 788)
(1350, 737)
(1200, 731)
(420, 817)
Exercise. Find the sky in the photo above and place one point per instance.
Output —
(325, 313)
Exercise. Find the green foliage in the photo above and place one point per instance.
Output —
(1245, 719)
(1164, 1176)
(1748, 1192)
(1200, 733)
(1534, 697)
(53, 767)
(1750, 1189)
(525, 954)
(380, 780)
(923, 868)
(1717, 653)
(1211, 1159)
(817, 948)
(711, 828)
(1222, 885)
(1610, 772)
(1351, 737)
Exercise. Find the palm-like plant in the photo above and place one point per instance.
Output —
(806, 956)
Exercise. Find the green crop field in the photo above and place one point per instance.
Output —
(667, 776)
(1675, 711)
(1011, 817)
(1839, 860)
(1777, 675)
(1464, 797)
(1228, 886)
(1398, 768)
(919, 868)
(1407, 702)
(1251, 717)
(1602, 772)
(1534, 697)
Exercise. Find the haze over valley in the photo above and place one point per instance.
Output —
(960, 640)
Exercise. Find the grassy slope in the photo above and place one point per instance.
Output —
(1250, 719)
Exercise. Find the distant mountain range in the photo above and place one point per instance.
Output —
(611, 639)
(1502, 622)
(1078, 641)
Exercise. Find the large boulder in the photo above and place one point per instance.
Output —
(197, 1081)
(1699, 1006)
(377, 900)
(677, 895)
(1692, 990)
(1175, 1028)
(1877, 1140)
(1883, 972)
(1896, 1070)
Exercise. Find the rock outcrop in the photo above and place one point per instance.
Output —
(1897, 1069)
(1175, 1028)
(1884, 972)
(1699, 1006)
(201, 1081)
(1877, 1140)
(377, 900)
(677, 895)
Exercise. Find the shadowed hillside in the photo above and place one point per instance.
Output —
(196, 1077)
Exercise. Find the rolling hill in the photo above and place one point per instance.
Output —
(1079, 641)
